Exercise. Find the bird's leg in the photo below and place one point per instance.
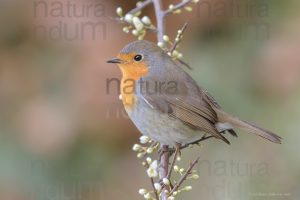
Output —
(161, 151)
(177, 150)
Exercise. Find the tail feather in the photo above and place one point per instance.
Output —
(249, 127)
(232, 132)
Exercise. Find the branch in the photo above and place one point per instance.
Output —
(179, 36)
(160, 20)
(140, 7)
(178, 6)
(183, 178)
(164, 167)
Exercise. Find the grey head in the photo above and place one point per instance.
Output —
(141, 46)
(159, 62)
(162, 68)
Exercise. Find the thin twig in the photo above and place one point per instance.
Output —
(135, 10)
(179, 36)
(185, 64)
(183, 178)
(204, 137)
(154, 144)
(154, 189)
(150, 28)
(140, 7)
(178, 6)
(152, 183)
(173, 162)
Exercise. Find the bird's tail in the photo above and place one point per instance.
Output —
(248, 127)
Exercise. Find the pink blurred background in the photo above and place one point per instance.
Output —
(62, 136)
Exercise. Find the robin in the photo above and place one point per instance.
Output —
(167, 105)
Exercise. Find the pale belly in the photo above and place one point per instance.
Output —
(160, 127)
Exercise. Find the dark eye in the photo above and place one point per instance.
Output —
(138, 57)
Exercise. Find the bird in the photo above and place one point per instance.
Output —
(165, 103)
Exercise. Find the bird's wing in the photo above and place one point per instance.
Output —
(194, 112)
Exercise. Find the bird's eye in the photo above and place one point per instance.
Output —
(138, 58)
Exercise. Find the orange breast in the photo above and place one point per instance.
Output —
(127, 92)
(131, 71)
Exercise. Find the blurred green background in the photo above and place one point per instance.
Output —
(63, 137)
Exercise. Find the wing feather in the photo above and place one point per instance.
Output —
(201, 117)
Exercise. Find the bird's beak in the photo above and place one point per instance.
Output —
(114, 60)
